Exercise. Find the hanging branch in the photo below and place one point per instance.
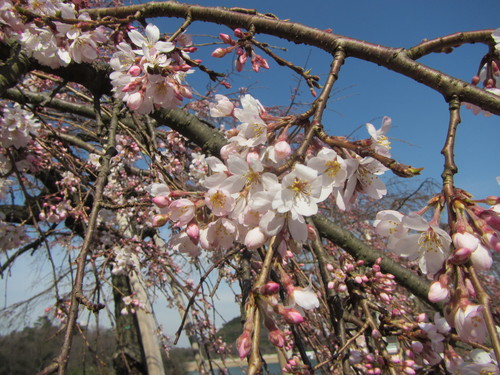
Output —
(77, 296)
(485, 300)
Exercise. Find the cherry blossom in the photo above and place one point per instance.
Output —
(301, 191)
(224, 107)
(430, 245)
(362, 177)
(469, 323)
(380, 144)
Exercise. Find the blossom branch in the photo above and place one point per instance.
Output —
(334, 303)
(195, 292)
(361, 251)
(484, 299)
(63, 357)
(399, 169)
(311, 80)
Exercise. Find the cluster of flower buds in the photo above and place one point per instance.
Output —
(243, 49)
(488, 74)
(131, 305)
(475, 233)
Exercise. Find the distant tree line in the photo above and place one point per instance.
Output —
(30, 350)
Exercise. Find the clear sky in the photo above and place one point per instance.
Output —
(367, 93)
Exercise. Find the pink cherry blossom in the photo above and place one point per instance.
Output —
(470, 324)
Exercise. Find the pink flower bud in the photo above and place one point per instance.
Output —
(161, 201)
(460, 255)
(193, 231)
(226, 38)
(240, 61)
(269, 288)
(349, 267)
(493, 241)
(255, 238)
(438, 293)
(135, 100)
(244, 344)
(291, 315)
(135, 70)
(276, 338)
(475, 80)
(330, 267)
(491, 218)
(159, 221)
(238, 33)
(465, 239)
(481, 258)
(282, 150)
(385, 297)
(219, 52)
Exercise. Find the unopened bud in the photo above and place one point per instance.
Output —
(269, 288)
(135, 70)
(238, 33)
(276, 338)
(225, 38)
(193, 231)
(159, 221)
(291, 315)
(161, 201)
(219, 52)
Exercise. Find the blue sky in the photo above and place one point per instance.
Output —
(367, 93)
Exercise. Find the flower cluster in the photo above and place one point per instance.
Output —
(243, 49)
(17, 126)
(54, 43)
(488, 75)
(475, 234)
(152, 75)
(246, 202)
(411, 236)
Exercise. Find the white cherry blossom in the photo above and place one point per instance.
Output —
(301, 191)
(430, 245)
(222, 108)
(381, 143)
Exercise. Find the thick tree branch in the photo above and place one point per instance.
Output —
(361, 251)
(395, 59)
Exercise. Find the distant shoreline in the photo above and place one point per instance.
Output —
(232, 362)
